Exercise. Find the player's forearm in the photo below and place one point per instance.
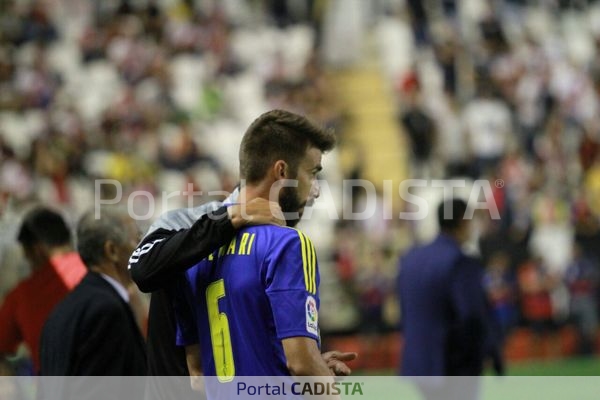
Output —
(309, 368)
(192, 357)
(313, 372)
(304, 357)
(304, 361)
(163, 254)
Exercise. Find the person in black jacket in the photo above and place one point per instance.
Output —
(93, 331)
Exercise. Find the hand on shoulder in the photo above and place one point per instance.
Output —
(257, 211)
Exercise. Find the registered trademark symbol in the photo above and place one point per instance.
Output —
(499, 183)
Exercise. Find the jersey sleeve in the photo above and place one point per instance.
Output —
(292, 280)
(164, 253)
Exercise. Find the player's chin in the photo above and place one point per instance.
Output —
(305, 204)
(302, 209)
(292, 222)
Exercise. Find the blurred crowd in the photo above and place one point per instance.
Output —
(507, 91)
(156, 95)
(152, 95)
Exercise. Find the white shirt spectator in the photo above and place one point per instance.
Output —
(487, 123)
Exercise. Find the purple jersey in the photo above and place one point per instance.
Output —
(241, 301)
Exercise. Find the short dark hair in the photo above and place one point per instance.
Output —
(449, 223)
(279, 135)
(46, 226)
(93, 233)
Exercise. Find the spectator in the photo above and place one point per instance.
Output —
(56, 270)
(535, 286)
(583, 280)
(421, 131)
(501, 290)
(419, 22)
(446, 52)
(587, 231)
(487, 121)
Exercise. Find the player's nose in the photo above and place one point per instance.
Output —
(315, 189)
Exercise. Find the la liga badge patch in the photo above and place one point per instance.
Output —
(312, 316)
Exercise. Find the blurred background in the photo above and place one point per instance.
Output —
(157, 94)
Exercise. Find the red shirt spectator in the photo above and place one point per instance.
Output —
(535, 284)
(56, 270)
(26, 308)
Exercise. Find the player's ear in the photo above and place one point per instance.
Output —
(280, 170)
(111, 252)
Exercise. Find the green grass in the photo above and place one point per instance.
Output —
(589, 366)
(564, 367)
(575, 378)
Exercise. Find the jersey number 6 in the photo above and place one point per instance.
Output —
(219, 333)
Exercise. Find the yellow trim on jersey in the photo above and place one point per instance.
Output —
(314, 268)
(304, 263)
(309, 262)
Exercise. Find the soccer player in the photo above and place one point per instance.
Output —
(252, 306)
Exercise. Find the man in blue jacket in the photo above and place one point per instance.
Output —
(443, 304)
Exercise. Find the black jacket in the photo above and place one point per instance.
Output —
(92, 332)
(175, 242)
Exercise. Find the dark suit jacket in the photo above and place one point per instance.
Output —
(92, 332)
(443, 308)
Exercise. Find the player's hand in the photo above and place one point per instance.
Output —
(257, 211)
(336, 361)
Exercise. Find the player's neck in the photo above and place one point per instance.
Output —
(109, 269)
(250, 192)
(60, 250)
